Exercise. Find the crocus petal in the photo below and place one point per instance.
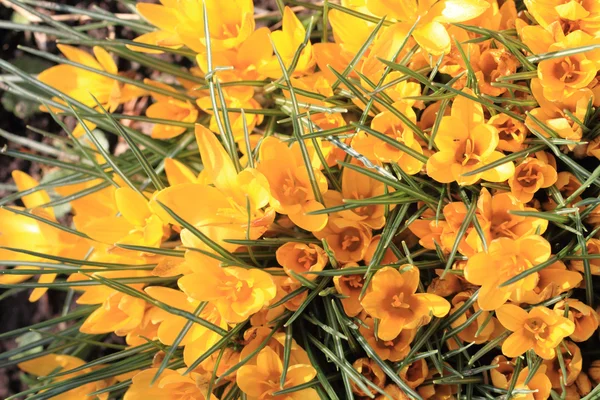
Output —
(178, 173)
(491, 297)
(105, 60)
(109, 229)
(165, 18)
(572, 11)
(312, 223)
(477, 268)
(433, 37)
(410, 276)
(388, 280)
(156, 38)
(217, 162)
(439, 166)
(37, 293)
(373, 303)
(202, 287)
(79, 56)
(517, 344)
(299, 374)
(171, 297)
(389, 328)
(501, 172)
(438, 305)
(452, 11)
(268, 362)
(132, 205)
(467, 110)
(535, 248)
(512, 317)
(247, 377)
(26, 182)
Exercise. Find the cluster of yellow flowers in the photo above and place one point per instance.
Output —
(429, 200)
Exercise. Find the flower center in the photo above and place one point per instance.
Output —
(234, 211)
(465, 153)
(569, 26)
(230, 31)
(508, 131)
(237, 289)
(502, 224)
(414, 372)
(308, 259)
(293, 192)
(513, 265)
(362, 210)
(353, 281)
(350, 239)
(529, 175)
(567, 70)
(398, 301)
(395, 131)
(538, 328)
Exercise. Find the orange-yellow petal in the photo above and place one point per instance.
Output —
(26, 182)
(512, 317)
(517, 344)
(312, 223)
(132, 205)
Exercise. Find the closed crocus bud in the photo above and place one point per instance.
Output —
(502, 375)
(594, 371)
(446, 286)
(158, 359)
(583, 383)
(584, 317)
(530, 176)
(371, 371)
(476, 331)
(571, 393)
(593, 148)
(436, 391)
(415, 373)
(512, 132)
(393, 392)
(348, 240)
(494, 64)
(301, 258)
(572, 360)
(592, 247)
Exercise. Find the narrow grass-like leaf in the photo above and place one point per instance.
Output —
(188, 325)
(117, 285)
(359, 54)
(287, 351)
(205, 239)
(460, 234)
(311, 296)
(297, 129)
(250, 355)
(343, 364)
(391, 374)
(135, 149)
(224, 341)
(46, 221)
